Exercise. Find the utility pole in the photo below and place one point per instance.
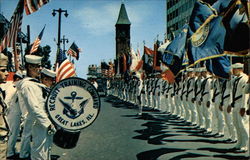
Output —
(60, 11)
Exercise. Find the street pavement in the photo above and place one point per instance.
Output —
(120, 134)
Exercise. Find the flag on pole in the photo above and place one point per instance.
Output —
(37, 42)
(10, 38)
(157, 56)
(74, 51)
(64, 68)
(33, 5)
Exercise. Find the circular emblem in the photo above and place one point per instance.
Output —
(200, 37)
(73, 104)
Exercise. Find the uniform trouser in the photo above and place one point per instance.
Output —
(182, 110)
(26, 137)
(154, 101)
(158, 98)
(207, 115)
(229, 122)
(200, 115)
(14, 126)
(149, 99)
(242, 135)
(3, 148)
(177, 105)
(166, 103)
(193, 111)
(218, 118)
(172, 104)
(186, 110)
(42, 142)
(143, 99)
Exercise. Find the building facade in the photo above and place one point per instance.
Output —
(122, 39)
(178, 13)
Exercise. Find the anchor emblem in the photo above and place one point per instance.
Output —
(70, 110)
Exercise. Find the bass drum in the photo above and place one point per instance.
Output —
(66, 139)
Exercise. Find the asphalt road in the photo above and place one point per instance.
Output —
(119, 134)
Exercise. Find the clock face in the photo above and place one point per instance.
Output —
(122, 34)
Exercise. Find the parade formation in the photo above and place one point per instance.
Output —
(198, 74)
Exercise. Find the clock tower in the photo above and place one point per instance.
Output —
(122, 40)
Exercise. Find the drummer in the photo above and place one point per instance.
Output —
(34, 99)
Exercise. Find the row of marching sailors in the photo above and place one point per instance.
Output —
(213, 104)
(26, 108)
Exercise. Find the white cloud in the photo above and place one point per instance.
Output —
(101, 19)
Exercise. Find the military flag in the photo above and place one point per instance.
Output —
(175, 51)
(206, 34)
(220, 66)
(157, 56)
(33, 5)
(148, 59)
(74, 51)
(64, 68)
(37, 42)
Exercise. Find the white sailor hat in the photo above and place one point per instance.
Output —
(237, 65)
(33, 59)
(203, 69)
(48, 72)
(190, 70)
(3, 60)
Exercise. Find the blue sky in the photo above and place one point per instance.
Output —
(91, 25)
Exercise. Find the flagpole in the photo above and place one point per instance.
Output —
(21, 47)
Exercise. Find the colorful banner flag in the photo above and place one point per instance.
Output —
(74, 51)
(33, 5)
(64, 68)
(206, 34)
(10, 38)
(174, 53)
(148, 59)
(37, 42)
(157, 56)
(219, 66)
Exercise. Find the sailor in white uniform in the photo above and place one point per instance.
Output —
(32, 94)
(206, 98)
(239, 105)
(14, 118)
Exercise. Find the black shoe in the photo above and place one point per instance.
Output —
(240, 150)
(218, 135)
(15, 156)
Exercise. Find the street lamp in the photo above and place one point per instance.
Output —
(63, 40)
(60, 11)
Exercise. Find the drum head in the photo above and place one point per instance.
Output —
(73, 104)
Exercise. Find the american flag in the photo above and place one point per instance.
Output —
(33, 5)
(65, 68)
(37, 42)
(74, 51)
(10, 38)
